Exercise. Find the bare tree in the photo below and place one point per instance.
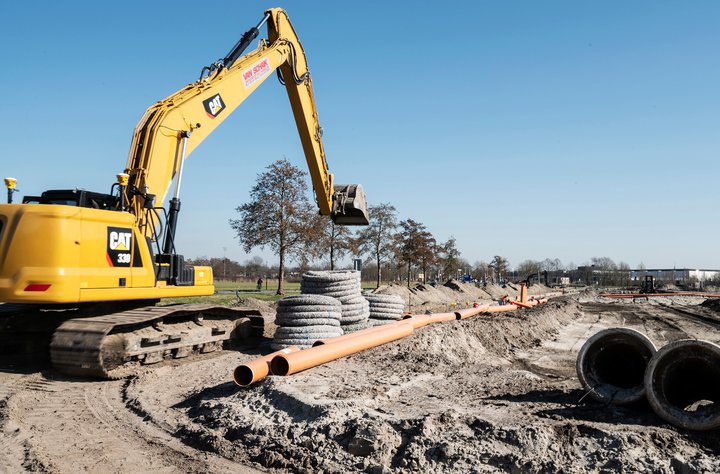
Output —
(335, 240)
(624, 274)
(481, 270)
(277, 215)
(415, 244)
(551, 265)
(427, 252)
(450, 257)
(528, 267)
(607, 268)
(499, 265)
(376, 240)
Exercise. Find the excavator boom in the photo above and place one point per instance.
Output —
(171, 129)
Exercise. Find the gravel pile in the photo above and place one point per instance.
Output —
(304, 319)
(343, 285)
(385, 309)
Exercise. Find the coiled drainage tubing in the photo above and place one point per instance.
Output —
(683, 384)
(611, 365)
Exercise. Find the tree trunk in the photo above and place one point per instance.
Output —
(408, 276)
(332, 257)
(281, 272)
(378, 270)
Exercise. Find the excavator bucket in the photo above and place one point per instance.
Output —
(350, 206)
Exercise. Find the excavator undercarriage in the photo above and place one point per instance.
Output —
(117, 344)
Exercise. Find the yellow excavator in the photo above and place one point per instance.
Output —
(102, 261)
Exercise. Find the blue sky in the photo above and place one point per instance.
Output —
(526, 129)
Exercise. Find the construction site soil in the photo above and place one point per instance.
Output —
(493, 393)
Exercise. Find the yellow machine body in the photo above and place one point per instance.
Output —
(99, 249)
(67, 254)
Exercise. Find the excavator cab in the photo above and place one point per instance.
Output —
(350, 205)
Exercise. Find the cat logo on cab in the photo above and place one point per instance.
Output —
(119, 243)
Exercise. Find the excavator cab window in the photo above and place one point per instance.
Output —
(74, 197)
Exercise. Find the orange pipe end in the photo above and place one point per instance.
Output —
(258, 369)
(288, 364)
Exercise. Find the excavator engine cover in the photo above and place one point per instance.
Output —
(350, 205)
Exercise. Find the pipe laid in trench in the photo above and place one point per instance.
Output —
(469, 312)
(416, 321)
(353, 335)
(501, 308)
(257, 369)
(288, 364)
(611, 365)
(321, 352)
(526, 305)
(683, 384)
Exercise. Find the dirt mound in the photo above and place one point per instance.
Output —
(712, 304)
(265, 308)
(455, 293)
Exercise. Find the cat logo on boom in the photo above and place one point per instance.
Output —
(214, 105)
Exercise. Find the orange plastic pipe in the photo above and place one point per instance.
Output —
(501, 309)
(443, 317)
(523, 293)
(257, 369)
(418, 320)
(468, 312)
(352, 335)
(288, 364)
(522, 305)
(421, 320)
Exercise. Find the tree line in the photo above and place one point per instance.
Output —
(280, 216)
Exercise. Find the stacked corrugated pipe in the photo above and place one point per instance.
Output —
(385, 309)
(344, 285)
(304, 319)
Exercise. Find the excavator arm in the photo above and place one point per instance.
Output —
(171, 129)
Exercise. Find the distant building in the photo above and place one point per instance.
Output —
(675, 275)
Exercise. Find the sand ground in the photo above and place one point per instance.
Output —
(494, 393)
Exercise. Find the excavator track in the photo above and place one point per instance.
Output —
(117, 344)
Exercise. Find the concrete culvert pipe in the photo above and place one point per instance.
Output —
(611, 365)
(683, 384)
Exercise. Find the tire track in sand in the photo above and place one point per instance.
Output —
(71, 426)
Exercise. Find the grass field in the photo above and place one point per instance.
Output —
(225, 292)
